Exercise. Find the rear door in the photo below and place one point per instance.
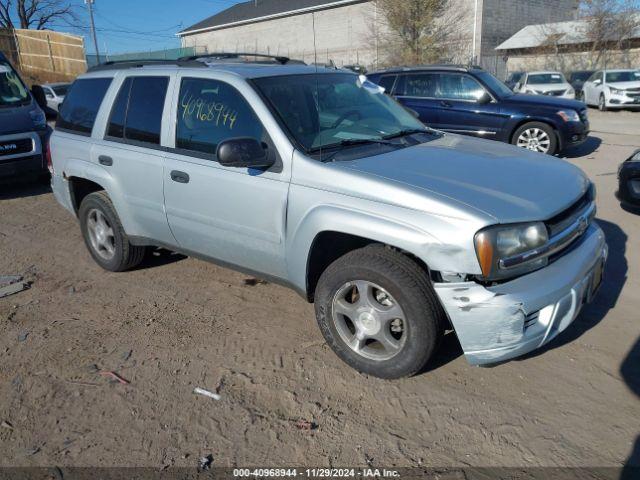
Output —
(235, 215)
(417, 91)
(130, 152)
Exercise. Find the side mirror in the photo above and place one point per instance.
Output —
(243, 152)
(484, 98)
(597, 82)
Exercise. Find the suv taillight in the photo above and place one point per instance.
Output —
(47, 154)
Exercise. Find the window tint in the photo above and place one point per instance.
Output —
(146, 103)
(457, 86)
(420, 85)
(387, 82)
(81, 105)
(119, 111)
(211, 111)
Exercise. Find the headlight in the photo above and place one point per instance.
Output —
(495, 245)
(616, 91)
(635, 157)
(38, 118)
(569, 115)
(570, 91)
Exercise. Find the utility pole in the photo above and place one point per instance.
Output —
(93, 28)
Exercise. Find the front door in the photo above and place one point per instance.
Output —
(466, 107)
(235, 215)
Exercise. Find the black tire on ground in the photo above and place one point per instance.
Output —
(126, 256)
(408, 284)
(553, 138)
(602, 103)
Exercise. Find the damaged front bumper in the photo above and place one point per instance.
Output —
(507, 320)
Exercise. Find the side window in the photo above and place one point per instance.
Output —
(387, 83)
(420, 85)
(457, 86)
(209, 112)
(81, 105)
(137, 112)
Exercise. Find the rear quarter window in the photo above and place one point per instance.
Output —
(81, 105)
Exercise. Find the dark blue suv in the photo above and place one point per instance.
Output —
(471, 101)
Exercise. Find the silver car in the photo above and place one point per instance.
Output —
(316, 179)
(553, 84)
(55, 93)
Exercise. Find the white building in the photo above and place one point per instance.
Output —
(345, 30)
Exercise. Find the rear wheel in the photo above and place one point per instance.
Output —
(104, 236)
(378, 311)
(537, 137)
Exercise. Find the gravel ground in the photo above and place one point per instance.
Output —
(178, 323)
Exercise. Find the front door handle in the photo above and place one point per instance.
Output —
(444, 103)
(180, 177)
(105, 160)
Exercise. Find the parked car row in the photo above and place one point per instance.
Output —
(605, 89)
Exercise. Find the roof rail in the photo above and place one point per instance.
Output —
(138, 63)
(231, 55)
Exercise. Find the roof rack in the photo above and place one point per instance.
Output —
(139, 63)
(230, 56)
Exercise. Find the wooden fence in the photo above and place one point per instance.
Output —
(44, 56)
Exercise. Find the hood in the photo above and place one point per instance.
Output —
(624, 85)
(544, 101)
(505, 182)
(16, 119)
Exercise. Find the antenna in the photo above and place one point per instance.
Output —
(315, 63)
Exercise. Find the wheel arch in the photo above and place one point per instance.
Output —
(327, 233)
(544, 120)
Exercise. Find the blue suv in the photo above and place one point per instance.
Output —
(471, 101)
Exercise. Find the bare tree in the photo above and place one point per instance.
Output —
(416, 31)
(35, 14)
(610, 25)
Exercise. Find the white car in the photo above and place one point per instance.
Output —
(552, 84)
(613, 89)
(55, 93)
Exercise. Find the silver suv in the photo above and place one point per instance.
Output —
(316, 179)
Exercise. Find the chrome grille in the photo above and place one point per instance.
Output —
(565, 219)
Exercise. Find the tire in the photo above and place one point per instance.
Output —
(405, 289)
(547, 140)
(602, 103)
(120, 255)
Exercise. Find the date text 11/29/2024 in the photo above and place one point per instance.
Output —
(315, 473)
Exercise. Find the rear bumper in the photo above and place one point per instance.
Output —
(502, 322)
(629, 183)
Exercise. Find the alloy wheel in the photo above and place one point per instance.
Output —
(101, 234)
(534, 139)
(369, 320)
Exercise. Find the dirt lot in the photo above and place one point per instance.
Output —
(178, 323)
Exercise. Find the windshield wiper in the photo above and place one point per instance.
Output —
(409, 131)
(349, 142)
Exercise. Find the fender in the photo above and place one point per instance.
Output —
(100, 175)
(326, 218)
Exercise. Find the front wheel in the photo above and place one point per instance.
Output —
(537, 137)
(377, 310)
(602, 103)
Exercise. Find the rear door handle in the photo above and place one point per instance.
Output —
(105, 160)
(180, 177)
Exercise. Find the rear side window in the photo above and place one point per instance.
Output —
(210, 112)
(137, 112)
(81, 105)
(422, 85)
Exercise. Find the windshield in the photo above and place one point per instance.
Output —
(494, 84)
(545, 78)
(12, 90)
(623, 77)
(323, 110)
(60, 90)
